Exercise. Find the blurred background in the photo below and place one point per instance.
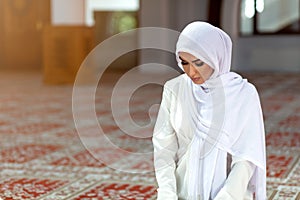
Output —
(54, 36)
(45, 155)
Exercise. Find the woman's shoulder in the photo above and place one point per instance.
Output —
(246, 86)
(249, 90)
(250, 87)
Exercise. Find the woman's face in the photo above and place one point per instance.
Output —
(196, 69)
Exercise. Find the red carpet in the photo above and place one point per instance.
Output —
(43, 157)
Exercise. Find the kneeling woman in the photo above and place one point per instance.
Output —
(206, 114)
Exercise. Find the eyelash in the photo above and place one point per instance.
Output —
(197, 64)
(184, 63)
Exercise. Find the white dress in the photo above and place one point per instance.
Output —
(171, 139)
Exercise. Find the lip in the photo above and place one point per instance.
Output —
(196, 79)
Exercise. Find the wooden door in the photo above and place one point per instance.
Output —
(21, 29)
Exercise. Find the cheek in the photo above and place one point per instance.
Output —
(209, 71)
(205, 71)
(202, 71)
(185, 69)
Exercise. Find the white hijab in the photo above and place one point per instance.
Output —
(220, 111)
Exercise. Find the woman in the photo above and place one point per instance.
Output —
(206, 114)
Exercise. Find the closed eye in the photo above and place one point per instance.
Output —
(199, 64)
(184, 63)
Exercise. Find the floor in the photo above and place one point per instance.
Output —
(43, 155)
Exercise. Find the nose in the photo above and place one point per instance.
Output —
(191, 71)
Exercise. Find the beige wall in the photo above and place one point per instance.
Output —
(254, 53)
(260, 53)
(68, 12)
(172, 14)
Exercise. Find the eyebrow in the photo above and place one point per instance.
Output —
(194, 61)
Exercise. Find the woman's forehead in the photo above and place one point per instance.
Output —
(187, 56)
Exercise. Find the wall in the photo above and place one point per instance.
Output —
(68, 12)
(260, 53)
(268, 53)
(229, 23)
(172, 14)
(254, 53)
(111, 5)
(278, 14)
(78, 12)
(249, 53)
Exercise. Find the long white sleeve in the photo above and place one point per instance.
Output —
(165, 149)
(235, 187)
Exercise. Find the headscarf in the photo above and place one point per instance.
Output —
(220, 111)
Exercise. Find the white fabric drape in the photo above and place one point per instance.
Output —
(227, 101)
(172, 140)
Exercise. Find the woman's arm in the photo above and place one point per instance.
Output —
(235, 187)
(165, 148)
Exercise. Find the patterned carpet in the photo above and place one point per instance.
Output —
(43, 157)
